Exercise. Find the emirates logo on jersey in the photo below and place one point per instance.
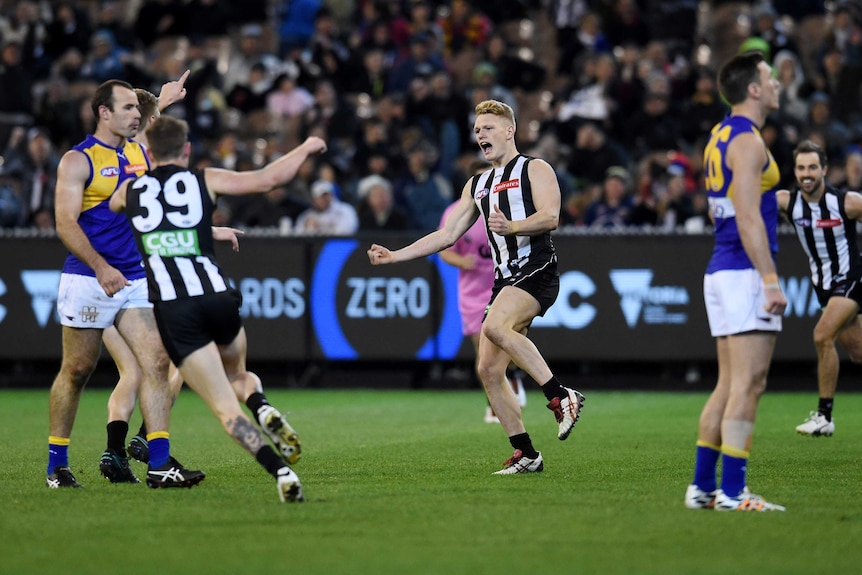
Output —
(506, 185)
(831, 223)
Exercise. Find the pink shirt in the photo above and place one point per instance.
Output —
(474, 286)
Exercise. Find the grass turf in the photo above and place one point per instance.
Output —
(400, 482)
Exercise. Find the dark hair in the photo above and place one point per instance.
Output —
(736, 74)
(167, 136)
(807, 146)
(104, 95)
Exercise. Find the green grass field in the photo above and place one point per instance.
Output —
(400, 483)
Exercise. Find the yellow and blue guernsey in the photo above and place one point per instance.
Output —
(729, 254)
(110, 234)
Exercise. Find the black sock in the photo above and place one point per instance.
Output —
(824, 406)
(117, 431)
(255, 401)
(522, 441)
(143, 430)
(554, 389)
(269, 459)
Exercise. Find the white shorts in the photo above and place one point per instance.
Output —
(734, 303)
(83, 303)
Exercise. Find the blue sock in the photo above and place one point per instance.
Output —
(160, 448)
(733, 474)
(704, 466)
(58, 453)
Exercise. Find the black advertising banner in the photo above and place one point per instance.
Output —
(622, 298)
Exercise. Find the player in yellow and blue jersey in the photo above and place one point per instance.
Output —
(744, 301)
(103, 283)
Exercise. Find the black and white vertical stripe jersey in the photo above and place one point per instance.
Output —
(510, 189)
(171, 212)
(828, 237)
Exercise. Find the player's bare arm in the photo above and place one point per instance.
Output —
(462, 216)
(228, 182)
(783, 198)
(173, 92)
(746, 156)
(546, 198)
(72, 174)
(853, 205)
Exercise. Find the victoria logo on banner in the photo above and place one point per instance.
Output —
(42, 286)
(640, 299)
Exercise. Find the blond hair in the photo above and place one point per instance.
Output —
(497, 109)
(148, 104)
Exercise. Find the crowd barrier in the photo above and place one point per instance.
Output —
(622, 298)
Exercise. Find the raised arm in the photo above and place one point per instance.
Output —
(546, 198)
(853, 205)
(173, 92)
(229, 182)
(463, 215)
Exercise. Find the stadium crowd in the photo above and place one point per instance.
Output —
(618, 95)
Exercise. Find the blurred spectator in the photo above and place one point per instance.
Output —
(511, 71)
(422, 192)
(334, 113)
(464, 27)
(423, 61)
(768, 26)
(449, 111)
(673, 202)
(327, 215)
(851, 175)
(377, 210)
(654, 127)
(106, 60)
(296, 23)
(593, 154)
(485, 78)
(111, 16)
(421, 21)
(614, 208)
(587, 39)
(625, 23)
(841, 80)
(208, 19)
(371, 75)
(274, 209)
(16, 96)
(250, 95)
(588, 100)
(820, 119)
(704, 109)
(68, 29)
(26, 26)
(160, 19)
(793, 106)
(249, 51)
(287, 99)
(32, 162)
(327, 51)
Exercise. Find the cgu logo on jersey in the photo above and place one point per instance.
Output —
(110, 172)
(172, 243)
(506, 185)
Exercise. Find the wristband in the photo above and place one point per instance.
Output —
(772, 286)
(769, 279)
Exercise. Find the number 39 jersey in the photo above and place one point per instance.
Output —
(170, 211)
(729, 253)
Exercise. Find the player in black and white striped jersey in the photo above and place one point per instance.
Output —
(825, 219)
(197, 312)
(519, 202)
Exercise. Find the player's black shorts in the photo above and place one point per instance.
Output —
(849, 288)
(188, 324)
(541, 280)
